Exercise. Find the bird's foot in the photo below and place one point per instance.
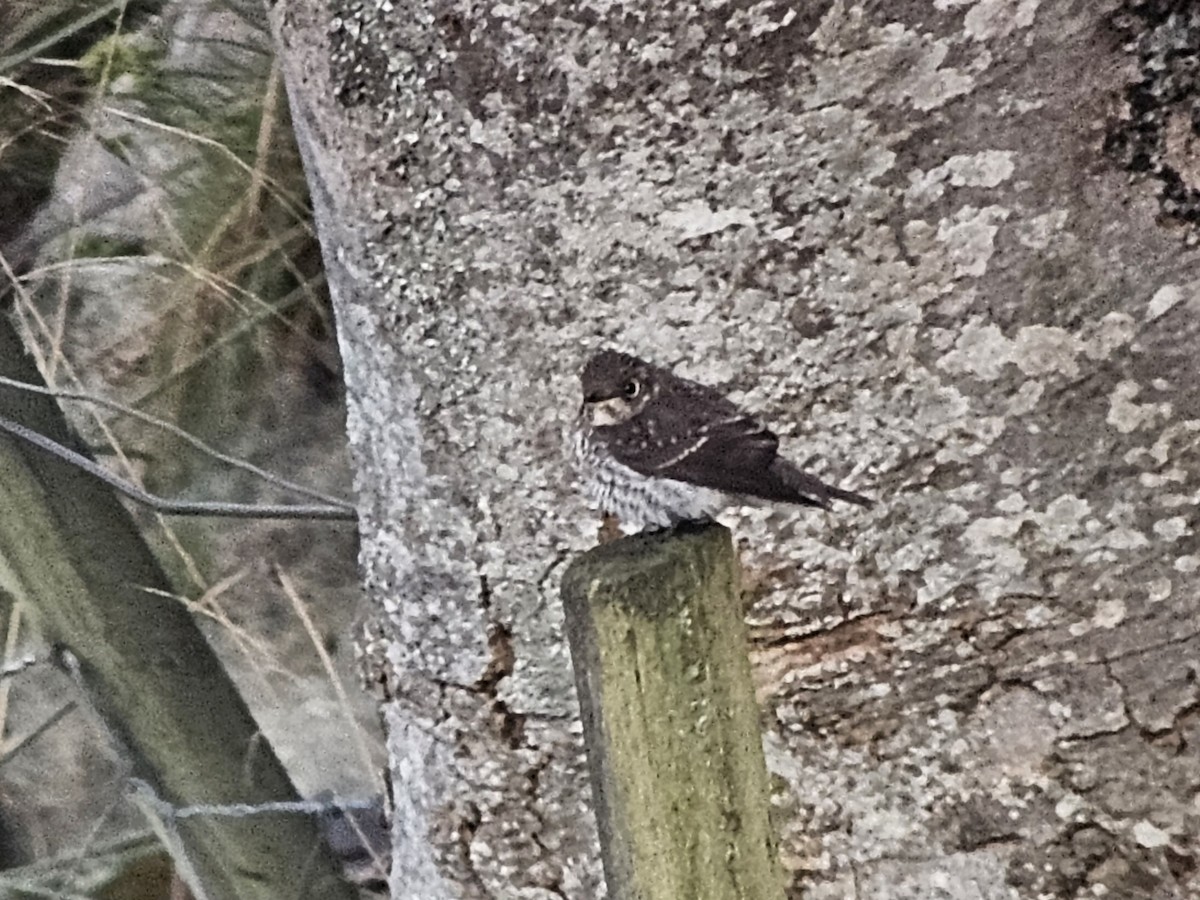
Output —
(610, 529)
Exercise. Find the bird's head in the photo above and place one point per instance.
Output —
(616, 387)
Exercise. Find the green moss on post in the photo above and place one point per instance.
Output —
(670, 719)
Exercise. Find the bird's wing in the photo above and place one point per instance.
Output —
(733, 455)
(700, 438)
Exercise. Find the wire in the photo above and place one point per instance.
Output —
(177, 507)
(185, 436)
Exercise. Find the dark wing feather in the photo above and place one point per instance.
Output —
(737, 457)
(691, 433)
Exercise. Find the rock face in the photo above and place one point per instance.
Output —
(953, 245)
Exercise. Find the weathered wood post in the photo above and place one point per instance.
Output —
(670, 720)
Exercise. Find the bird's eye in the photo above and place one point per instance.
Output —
(632, 389)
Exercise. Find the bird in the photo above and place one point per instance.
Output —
(657, 451)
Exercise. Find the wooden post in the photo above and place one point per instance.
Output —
(670, 719)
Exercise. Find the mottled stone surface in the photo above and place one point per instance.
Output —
(919, 232)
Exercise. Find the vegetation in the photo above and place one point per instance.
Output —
(158, 249)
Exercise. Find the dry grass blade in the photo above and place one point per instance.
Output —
(314, 636)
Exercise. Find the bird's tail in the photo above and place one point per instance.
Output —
(810, 490)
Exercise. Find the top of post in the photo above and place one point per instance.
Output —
(648, 572)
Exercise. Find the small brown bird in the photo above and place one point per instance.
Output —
(656, 450)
